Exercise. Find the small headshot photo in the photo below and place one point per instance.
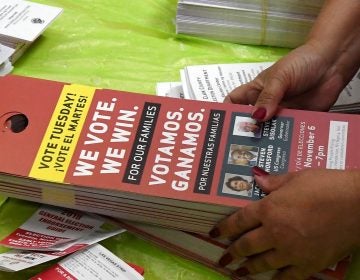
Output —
(243, 155)
(238, 185)
(246, 126)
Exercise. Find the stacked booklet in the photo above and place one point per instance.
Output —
(182, 165)
(213, 82)
(21, 23)
(5, 64)
(284, 23)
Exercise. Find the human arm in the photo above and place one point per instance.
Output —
(312, 75)
(308, 221)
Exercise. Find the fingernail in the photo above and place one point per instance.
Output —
(225, 260)
(214, 233)
(227, 99)
(242, 271)
(259, 171)
(259, 114)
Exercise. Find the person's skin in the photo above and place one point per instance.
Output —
(300, 227)
(310, 219)
(312, 75)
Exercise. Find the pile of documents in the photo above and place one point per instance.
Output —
(200, 248)
(183, 165)
(51, 233)
(21, 23)
(284, 23)
(213, 82)
(5, 64)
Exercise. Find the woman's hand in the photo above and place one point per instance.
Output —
(303, 79)
(313, 75)
(308, 221)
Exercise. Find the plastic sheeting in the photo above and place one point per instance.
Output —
(125, 45)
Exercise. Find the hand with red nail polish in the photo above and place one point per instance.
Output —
(310, 218)
(313, 75)
(308, 221)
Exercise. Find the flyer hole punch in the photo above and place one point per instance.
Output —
(14, 121)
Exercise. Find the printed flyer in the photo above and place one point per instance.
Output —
(50, 233)
(92, 263)
(82, 147)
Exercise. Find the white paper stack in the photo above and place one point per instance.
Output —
(92, 263)
(22, 22)
(51, 233)
(349, 99)
(284, 23)
(213, 82)
(5, 64)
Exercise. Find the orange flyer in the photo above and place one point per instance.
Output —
(102, 139)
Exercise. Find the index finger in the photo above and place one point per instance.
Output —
(270, 98)
(245, 94)
(241, 221)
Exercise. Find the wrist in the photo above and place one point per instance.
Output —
(340, 62)
(336, 32)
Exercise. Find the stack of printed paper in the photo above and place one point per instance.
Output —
(283, 23)
(200, 248)
(182, 165)
(22, 22)
(214, 81)
(5, 64)
(51, 233)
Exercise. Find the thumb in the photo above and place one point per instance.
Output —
(269, 98)
(269, 183)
